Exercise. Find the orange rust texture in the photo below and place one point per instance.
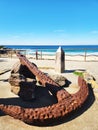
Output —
(66, 102)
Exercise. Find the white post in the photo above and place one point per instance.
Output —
(60, 61)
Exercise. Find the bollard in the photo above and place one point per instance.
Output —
(36, 55)
(60, 61)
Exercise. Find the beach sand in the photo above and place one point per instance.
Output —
(85, 118)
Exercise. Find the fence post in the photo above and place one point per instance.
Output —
(41, 54)
(85, 56)
(25, 52)
(36, 55)
(11, 53)
(60, 61)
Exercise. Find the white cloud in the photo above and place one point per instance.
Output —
(59, 31)
(49, 39)
(94, 32)
(49, 42)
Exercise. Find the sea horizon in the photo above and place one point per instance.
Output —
(51, 49)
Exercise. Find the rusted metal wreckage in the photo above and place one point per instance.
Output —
(65, 105)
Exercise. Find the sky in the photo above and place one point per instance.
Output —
(48, 22)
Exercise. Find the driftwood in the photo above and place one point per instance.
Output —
(65, 105)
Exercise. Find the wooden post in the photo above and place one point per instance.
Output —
(36, 55)
(85, 56)
(0, 53)
(25, 52)
(11, 53)
(41, 54)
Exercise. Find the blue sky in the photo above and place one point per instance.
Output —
(49, 22)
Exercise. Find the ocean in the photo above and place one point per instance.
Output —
(51, 50)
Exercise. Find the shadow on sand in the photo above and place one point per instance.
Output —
(44, 98)
(71, 71)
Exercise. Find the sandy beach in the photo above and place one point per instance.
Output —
(84, 119)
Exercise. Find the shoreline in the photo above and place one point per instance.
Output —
(70, 57)
(72, 52)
